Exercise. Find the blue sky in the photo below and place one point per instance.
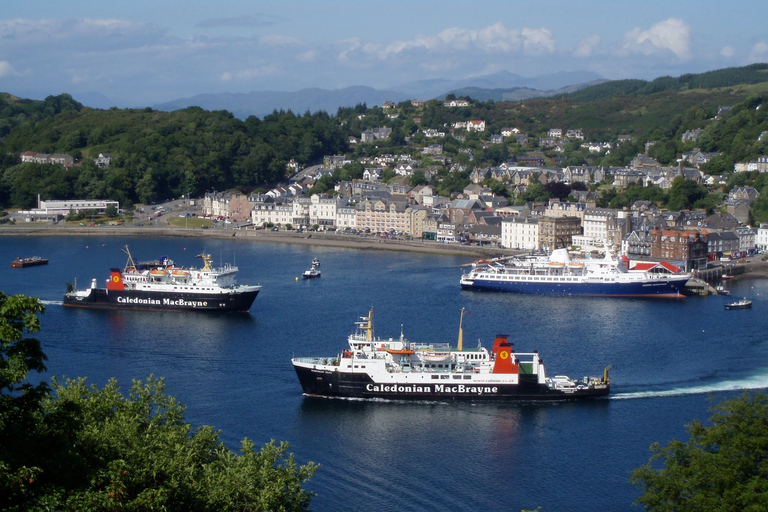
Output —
(142, 52)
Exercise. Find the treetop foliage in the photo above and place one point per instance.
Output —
(723, 466)
(78, 447)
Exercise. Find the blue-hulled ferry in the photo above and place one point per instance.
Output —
(558, 274)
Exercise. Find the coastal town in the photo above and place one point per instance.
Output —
(395, 210)
(402, 196)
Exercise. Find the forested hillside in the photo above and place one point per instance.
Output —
(159, 155)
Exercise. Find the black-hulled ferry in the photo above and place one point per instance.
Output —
(161, 286)
(397, 369)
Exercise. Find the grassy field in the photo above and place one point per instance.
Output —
(189, 222)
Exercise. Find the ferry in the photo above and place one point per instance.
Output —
(397, 369)
(161, 286)
(558, 274)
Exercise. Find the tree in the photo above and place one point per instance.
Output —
(84, 448)
(20, 402)
(684, 193)
(723, 466)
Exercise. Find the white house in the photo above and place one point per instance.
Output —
(520, 233)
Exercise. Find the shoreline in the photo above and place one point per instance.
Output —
(319, 239)
(264, 236)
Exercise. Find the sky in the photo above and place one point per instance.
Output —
(143, 52)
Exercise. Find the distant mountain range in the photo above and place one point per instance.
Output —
(503, 86)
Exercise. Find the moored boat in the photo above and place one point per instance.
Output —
(397, 369)
(558, 274)
(312, 273)
(161, 286)
(32, 261)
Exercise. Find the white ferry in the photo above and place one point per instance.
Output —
(397, 369)
(558, 274)
(160, 285)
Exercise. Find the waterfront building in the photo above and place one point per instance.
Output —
(518, 232)
(690, 246)
(380, 216)
(761, 238)
(270, 213)
(323, 210)
(557, 232)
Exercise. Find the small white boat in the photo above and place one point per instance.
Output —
(315, 262)
(311, 273)
(740, 304)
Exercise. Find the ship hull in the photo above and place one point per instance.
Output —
(657, 288)
(326, 382)
(101, 298)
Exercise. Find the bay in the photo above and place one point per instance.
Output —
(668, 358)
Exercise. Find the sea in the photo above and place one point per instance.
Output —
(670, 361)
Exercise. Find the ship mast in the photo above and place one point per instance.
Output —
(460, 345)
(129, 265)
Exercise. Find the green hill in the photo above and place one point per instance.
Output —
(158, 155)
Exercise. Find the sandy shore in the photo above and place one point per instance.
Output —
(259, 235)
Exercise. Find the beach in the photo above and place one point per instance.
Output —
(332, 239)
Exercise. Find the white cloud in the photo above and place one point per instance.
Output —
(84, 35)
(495, 38)
(672, 35)
(279, 40)
(538, 41)
(728, 51)
(587, 46)
(307, 56)
(5, 68)
(759, 51)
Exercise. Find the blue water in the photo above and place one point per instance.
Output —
(234, 371)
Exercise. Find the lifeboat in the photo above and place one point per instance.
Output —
(435, 357)
(399, 351)
(157, 272)
(180, 273)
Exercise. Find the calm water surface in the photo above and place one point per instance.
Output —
(234, 371)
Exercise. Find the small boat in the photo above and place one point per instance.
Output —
(311, 273)
(722, 291)
(740, 304)
(315, 262)
(400, 351)
(28, 262)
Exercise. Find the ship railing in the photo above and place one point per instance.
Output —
(438, 347)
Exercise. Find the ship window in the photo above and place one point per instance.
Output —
(467, 377)
(444, 376)
(435, 376)
(457, 376)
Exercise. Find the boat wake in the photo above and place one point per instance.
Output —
(52, 302)
(753, 382)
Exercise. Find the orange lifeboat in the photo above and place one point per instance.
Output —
(399, 351)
